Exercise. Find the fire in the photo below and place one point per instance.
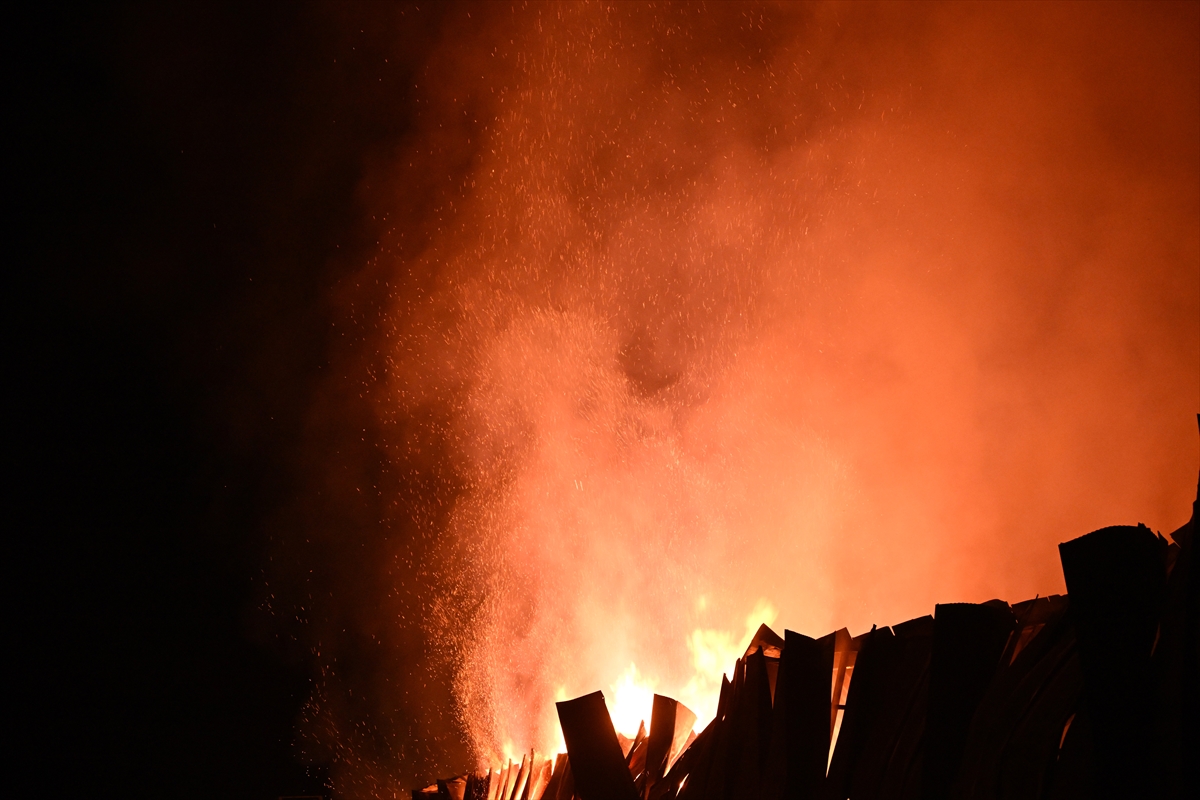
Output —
(631, 701)
(630, 696)
(713, 655)
(672, 303)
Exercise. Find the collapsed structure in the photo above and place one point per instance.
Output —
(1088, 694)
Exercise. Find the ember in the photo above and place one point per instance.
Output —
(1087, 693)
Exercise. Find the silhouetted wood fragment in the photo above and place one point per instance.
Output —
(1026, 761)
(698, 767)
(556, 777)
(477, 786)
(539, 776)
(597, 763)
(799, 743)
(874, 660)
(751, 730)
(562, 784)
(504, 781)
(662, 732)
(1069, 775)
(1116, 579)
(968, 641)
(845, 652)
(518, 785)
(681, 745)
(1175, 665)
(670, 724)
(1015, 732)
(720, 757)
(691, 757)
(635, 760)
(453, 788)
(893, 740)
(771, 644)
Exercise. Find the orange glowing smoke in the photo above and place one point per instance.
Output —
(823, 313)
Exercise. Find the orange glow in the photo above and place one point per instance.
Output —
(816, 321)
(714, 653)
(686, 318)
(630, 702)
(630, 696)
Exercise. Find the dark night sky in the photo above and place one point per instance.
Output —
(183, 183)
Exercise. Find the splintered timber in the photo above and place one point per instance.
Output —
(1092, 694)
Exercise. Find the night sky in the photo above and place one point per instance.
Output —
(183, 185)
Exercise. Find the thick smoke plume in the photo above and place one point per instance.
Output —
(686, 317)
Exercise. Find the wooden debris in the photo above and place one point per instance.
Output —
(1090, 694)
(597, 763)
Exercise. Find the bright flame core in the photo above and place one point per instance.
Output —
(714, 653)
(630, 698)
(631, 701)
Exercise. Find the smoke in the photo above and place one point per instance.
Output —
(688, 317)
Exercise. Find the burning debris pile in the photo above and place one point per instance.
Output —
(1087, 694)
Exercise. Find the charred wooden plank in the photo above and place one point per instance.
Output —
(799, 746)
(892, 750)
(597, 763)
(968, 642)
(477, 787)
(518, 785)
(504, 782)
(556, 777)
(845, 651)
(863, 701)
(1038, 648)
(453, 788)
(751, 731)
(539, 777)
(679, 774)
(889, 678)
(771, 644)
(809, 696)
(1027, 761)
(1116, 579)
(717, 779)
(1175, 664)
(670, 724)
(562, 784)
(705, 758)
(635, 759)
